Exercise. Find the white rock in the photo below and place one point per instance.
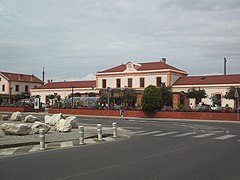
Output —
(47, 119)
(54, 119)
(63, 126)
(39, 125)
(4, 117)
(17, 116)
(73, 121)
(31, 119)
(15, 129)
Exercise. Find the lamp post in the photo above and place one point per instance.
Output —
(236, 95)
(10, 95)
(72, 97)
(108, 99)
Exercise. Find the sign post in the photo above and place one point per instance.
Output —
(236, 95)
(37, 103)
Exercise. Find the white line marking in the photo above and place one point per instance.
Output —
(148, 133)
(204, 135)
(165, 134)
(136, 132)
(185, 134)
(35, 148)
(108, 139)
(225, 137)
(8, 151)
(66, 144)
(89, 141)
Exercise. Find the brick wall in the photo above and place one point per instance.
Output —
(142, 114)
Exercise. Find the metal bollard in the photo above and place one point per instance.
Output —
(42, 139)
(114, 126)
(99, 132)
(81, 134)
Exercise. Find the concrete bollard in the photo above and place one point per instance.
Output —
(81, 134)
(42, 139)
(114, 126)
(99, 132)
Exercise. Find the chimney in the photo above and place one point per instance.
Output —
(225, 66)
(48, 81)
(32, 77)
(163, 60)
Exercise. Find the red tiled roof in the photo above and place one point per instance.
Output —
(144, 67)
(208, 80)
(21, 77)
(68, 84)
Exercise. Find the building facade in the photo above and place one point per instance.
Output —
(138, 76)
(64, 89)
(215, 86)
(12, 84)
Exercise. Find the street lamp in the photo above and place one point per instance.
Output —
(10, 95)
(72, 97)
(108, 90)
(236, 95)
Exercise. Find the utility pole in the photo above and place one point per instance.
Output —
(43, 74)
(225, 66)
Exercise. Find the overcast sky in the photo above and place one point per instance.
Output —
(74, 38)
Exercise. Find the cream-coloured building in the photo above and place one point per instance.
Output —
(12, 84)
(64, 89)
(138, 76)
(215, 85)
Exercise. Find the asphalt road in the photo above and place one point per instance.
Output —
(155, 150)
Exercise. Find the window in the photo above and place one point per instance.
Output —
(142, 82)
(118, 83)
(17, 88)
(159, 81)
(129, 82)
(0, 79)
(26, 88)
(3, 87)
(104, 83)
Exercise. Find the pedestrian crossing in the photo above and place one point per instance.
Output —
(193, 134)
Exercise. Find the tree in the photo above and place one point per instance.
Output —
(196, 94)
(151, 99)
(230, 94)
(166, 95)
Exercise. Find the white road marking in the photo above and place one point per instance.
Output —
(148, 133)
(165, 134)
(204, 135)
(8, 151)
(66, 144)
(225, 137)
(185, 134)
(35, 148)
(108, 139)
(136, 132)
(89, 141)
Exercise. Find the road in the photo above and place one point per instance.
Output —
(155, 150)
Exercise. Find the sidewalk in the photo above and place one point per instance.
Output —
(90, 131)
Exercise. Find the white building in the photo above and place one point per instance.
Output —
(138, 76)
(12, 84)
(64, 89)
(216, 85)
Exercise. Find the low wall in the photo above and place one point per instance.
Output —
(142, 114)
(20, 109)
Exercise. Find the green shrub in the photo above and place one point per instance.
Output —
(151, 99)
